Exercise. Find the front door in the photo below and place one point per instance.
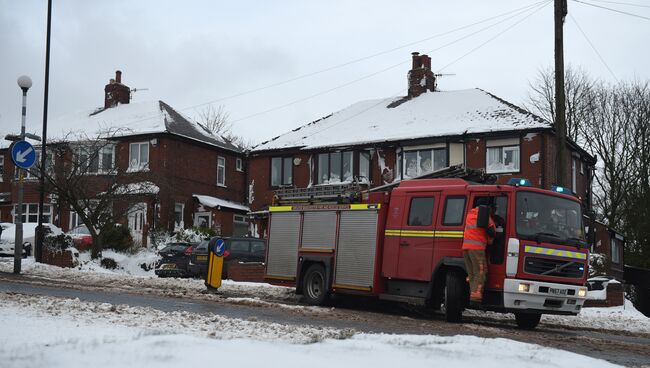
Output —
(417, 237)
(137, 217)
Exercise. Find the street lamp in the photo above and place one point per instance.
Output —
(24, 82)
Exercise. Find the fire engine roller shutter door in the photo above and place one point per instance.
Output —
(283, 244)
(355, 254)
(319, 230)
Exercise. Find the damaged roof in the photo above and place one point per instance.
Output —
(433, 114)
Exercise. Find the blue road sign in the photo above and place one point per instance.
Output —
(220, 248)
(23, 154)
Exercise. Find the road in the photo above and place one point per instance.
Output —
(363, 316)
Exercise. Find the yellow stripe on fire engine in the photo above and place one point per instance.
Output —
(280, 208)
(555, 252)
(424, 233)
(306, 207)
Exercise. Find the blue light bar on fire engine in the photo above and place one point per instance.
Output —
(559, 189)
(519, 182)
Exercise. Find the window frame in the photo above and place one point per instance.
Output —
(502, 148)
(222, 167)
(403, 166)
(341, 164)
(574, 175)
(100, 159)
(2, 168)
(462, 216)
(27, 213)
(239, 164)
(181, 224)
(139, 166)
(282, 171)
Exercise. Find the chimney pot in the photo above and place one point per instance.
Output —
(118, 76)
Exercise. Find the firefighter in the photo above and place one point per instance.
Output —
(474, 243)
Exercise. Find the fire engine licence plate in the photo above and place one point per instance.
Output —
(557, 291)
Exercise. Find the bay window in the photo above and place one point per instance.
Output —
(420, 162)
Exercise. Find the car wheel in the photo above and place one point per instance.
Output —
(527, 321)
(453, 297)
(314, 285)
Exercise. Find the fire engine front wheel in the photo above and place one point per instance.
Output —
(527, 321)
(314, 286)
(453, 295)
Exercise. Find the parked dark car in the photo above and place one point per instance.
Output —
(198, 264)
(241, 249)
(174, 260)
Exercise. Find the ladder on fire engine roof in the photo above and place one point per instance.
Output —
(472, 176)
(334, 193)
(351, 192)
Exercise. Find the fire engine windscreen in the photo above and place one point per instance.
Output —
(548, 218)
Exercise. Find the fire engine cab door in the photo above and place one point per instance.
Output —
(417, 236)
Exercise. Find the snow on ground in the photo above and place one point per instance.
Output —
(131, 277)
(52, 332)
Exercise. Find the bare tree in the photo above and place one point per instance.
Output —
(216, 120)
(611, 122)
(83, 176)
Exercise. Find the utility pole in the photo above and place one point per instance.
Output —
(40, 233)
(24, 82)
(560, 113)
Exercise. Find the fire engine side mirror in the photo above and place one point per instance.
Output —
(483, 218)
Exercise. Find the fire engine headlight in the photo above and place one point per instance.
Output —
(524, 288)
(582, 292)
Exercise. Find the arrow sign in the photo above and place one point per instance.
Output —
(23, 154)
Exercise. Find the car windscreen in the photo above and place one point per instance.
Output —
(202, 246)
(548, 217)
(239, 246)
(174, 248)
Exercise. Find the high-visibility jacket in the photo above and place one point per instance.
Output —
(475, 238)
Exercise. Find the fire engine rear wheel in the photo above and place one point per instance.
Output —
(527, 321)
(453, 297)
(314, 285)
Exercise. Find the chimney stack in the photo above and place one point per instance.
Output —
(115, 92)
(420, 78)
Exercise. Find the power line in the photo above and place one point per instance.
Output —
(524, 8)
(621, 3)
(402, 90)
(544, 3)
(614, 10)
(494, 37)
(593, 47)
(517, 12)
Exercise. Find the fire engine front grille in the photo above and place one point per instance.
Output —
(553, 267)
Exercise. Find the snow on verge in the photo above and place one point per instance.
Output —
(51, 332)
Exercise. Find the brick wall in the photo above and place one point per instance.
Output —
(252, 272)
(61, 258)
(615, 297)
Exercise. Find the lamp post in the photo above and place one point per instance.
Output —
(24, 82)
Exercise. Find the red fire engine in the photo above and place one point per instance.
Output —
(405, 245)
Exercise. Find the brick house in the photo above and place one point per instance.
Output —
(386, 140)
(188, 175)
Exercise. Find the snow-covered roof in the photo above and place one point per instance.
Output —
(434, 114)
(130, 119)
(140, 188)
(213, 202)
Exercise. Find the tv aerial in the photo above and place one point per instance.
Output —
(134, 90)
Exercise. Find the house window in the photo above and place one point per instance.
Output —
(221, 171)
(75, 220)
(240, 225)
(30, 213)
(281, 171)
(582, 168)
(335, 167)
(179, 209)
(364, 167)
(239, 164)
(420, 162)
(574, 176)
(615, 245)
(502, 159)
(94, 161)
(421, 212)
(139, 156)
(454, 211)
(2, 168)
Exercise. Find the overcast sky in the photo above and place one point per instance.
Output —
(192, 52)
